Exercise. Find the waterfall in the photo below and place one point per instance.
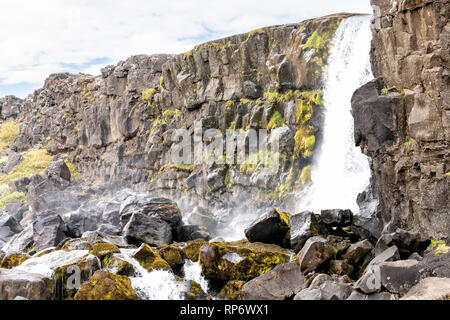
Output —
(340, 171)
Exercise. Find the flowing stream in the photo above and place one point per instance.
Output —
(340, 171)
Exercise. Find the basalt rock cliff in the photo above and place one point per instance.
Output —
(116, 129)
(402, 119)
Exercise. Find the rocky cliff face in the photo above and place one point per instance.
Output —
(402, 119)
(116, 128)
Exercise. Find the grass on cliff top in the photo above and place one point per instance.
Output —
(8, 132)
(34, 161)
(6, 196)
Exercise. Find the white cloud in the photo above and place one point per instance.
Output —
(41, 37)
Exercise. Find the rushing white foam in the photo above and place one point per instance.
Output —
(193, 271)
(153, 285)
(341, 171)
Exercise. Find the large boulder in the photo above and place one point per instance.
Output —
(86, 218)
(240, 260)
(142, 228)
(66, 269)
(399, 276)
(21, 242)
(337, 218)
(49, 230)
(281, 283)
(14, 283)
(304, 226)
(160, 208)
(104, 285)
(407, 242)
(272, 227)
(370, 281)
(315, 253)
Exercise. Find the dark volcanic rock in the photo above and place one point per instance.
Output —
(316, 252)
(337, 218)
(401, 119)
(370, 281)
(282, 282)
(357, 251)
(303, 226)
(86, 218)
(49, 229)
(406, 242)
(16, 209)
(190, 232)
(8, 227)
(272, 227)
(155, 209)
(147, 229)
(399, 276)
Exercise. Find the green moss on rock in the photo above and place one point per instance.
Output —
(232, 290)
(240, 260)
(105, 285)
(150, 259)
(192, 249)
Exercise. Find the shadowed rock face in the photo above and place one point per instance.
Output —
(402, 118)
(117, 127)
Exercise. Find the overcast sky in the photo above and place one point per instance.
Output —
(46, 36)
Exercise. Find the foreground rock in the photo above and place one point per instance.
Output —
(316, 252)
(105, 285)
(283, 282)
(328, 290)
(240, 260)
(273, 228)
(304, 226)
(14, 283)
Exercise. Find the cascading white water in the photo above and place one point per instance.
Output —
(341, 171)
(161, 284)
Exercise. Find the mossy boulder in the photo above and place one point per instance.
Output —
(65, 282)
(104, 285)
(192, 249)
(232, 290)
(240, 260)
(194, 291)
(103, 251)
(119, 265)
(173, 255)
(12, 260)
(150, 259)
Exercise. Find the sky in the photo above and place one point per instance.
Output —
(38, 38)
